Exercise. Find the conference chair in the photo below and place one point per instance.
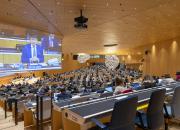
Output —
(46, 116)
(10, 102)
(20, 107)
(18, 110)
(122, 116)
(47, 109)
(153, 119)
(172, 109)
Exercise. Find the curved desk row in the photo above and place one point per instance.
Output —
(78, 116)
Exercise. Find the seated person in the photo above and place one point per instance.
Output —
(20, 92)
(32, 52)
(120, 87)
(41, 90)
(33, 90)
(178, 76)
(87, 89)
(63, 95)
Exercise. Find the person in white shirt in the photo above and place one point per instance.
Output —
(120, 86)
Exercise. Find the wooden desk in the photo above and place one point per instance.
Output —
(57, 118)
(57, 122)
(2, 103)
(28, 118)
(79, 118)
(72, 121)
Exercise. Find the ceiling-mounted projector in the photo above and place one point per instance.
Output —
(80, 22)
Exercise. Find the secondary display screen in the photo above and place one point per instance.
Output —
(109, 89)
(31, 54)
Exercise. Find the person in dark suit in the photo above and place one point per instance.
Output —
(50, 42)
(32, 52)
(63, 95)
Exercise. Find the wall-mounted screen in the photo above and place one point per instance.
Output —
(30, 54)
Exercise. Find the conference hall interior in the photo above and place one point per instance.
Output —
(89, 64)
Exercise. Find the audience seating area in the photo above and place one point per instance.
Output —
(63, 105)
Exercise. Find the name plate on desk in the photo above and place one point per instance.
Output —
(73, 117)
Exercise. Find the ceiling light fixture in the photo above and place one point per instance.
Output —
(107, 4)
(111, 61)
(58, 3)
(81, 21)
(110, 45)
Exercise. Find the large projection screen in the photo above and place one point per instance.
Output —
(18, 55)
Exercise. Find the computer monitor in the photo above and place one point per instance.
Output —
(109, 89)
(135, 85)
(160, 81)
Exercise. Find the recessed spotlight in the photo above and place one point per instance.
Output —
(84, 5)
(139, 53)
(110, 45)
(58, 3)
(107, 4)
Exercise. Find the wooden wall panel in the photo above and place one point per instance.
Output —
(163, 57)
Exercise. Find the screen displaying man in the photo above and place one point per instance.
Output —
(49, 42)
(32, 52)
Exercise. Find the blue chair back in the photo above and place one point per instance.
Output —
(175, 104)
(123, 114)
(155, 116)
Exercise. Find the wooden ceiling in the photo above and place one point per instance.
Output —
(128, 23)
